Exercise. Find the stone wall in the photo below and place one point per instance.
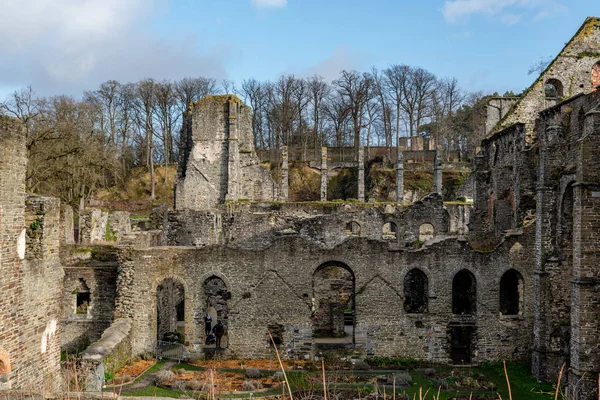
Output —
(325, 224)
(218, 159)
(90, 275)
(31, 274)
(13, 160)
(274, 286)
(97, 225)
(570, 72)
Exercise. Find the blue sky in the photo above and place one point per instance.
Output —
(68, 46)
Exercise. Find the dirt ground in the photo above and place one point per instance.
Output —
(272, 365)
(136, 369)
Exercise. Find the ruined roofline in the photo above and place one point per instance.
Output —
(587, 24)
(219, 99)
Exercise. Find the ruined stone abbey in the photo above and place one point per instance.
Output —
(514, 275)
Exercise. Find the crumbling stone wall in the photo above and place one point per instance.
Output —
(218, 159)
(31, 274)
(571, 72)
(274, 286)
(95, 269)
(97, 225)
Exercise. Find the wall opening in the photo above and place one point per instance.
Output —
(276, 331)
(389, 231)
(83, 297)
(353, 228)
(464, 293)
(553, 89)
(334, 302)
(217, 297)
(426, 232)
(596, 76)
(511, 293)
(416, 291)
(170, 311)
(461, 344)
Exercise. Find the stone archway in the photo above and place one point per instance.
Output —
(217, 296)
(464, 293)
(334, 302)
(170, 310)
(511, 293)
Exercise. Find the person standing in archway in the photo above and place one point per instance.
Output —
(207, 324)
(219, 330)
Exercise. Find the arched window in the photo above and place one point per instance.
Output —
(416, 291)
(353, 228)
(511, 293)
(389, 230)
(426, 232)
(596, 76)
(553, 89)
(464, 293)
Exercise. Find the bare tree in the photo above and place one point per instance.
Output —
(354, 87)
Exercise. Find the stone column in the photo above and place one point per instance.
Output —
(585, 310)
(361, 173)
(233, 163)
(284, 174)
(437, 173)
(399, 174)
(323, 173)
(542, 358)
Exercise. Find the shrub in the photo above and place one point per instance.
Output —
(403, 379)
(180, 372)
(429, 373)
(195, 385)
(361, 365)
(252, 373)
(251, 385)
(179, 386)
(163, 378)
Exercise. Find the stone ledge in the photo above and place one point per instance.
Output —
(110, 339)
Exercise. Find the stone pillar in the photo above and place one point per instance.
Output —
(542, 357)
(323, 173)
(585, 284)
(233, 163)
(399, 174)
(67, 224)
(284, 174)
(437, 173)
(361, 173)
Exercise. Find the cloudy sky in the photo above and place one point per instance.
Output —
(68, 46)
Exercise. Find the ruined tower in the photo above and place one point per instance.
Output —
(218, 161)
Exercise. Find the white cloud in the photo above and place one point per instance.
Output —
(71, 45)
(269, 3)
(509, 12)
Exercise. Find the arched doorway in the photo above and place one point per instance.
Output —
(217, 296)
(511, 293)
(464, 293)
(334, 303)
(170, 311)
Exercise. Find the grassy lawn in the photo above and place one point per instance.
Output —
(523, 384)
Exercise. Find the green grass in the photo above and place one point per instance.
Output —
(152, 391)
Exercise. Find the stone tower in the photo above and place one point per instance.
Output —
(218, 160)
